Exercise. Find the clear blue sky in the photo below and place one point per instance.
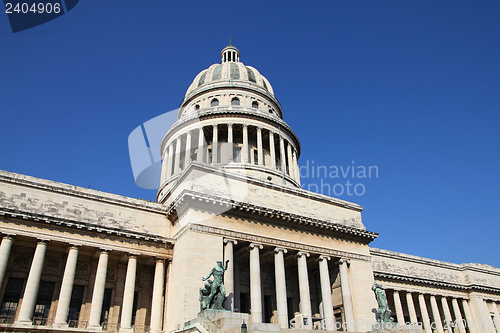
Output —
(411, 87)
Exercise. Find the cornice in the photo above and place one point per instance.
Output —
(82, 225)
(412, 258)
(467, 287)
(189, 196)
(273, 186)
(269, 241)
(52, 186)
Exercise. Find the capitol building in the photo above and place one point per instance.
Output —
(74, 259)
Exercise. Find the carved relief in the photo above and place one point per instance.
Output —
(82, 270)
(51, 266)
(110, 274)
(21, 261)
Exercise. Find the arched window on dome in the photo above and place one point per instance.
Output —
(214, 102)
(197, 107)
(255, 104)
(235, 101)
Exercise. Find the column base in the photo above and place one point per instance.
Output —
(95, 328)
(23, 323)
(60, 325)
(126, 330)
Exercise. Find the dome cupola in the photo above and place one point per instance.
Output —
(230, 119)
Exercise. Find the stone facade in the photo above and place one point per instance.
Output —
(76, 259)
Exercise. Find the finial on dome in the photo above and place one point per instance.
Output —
(230, 53)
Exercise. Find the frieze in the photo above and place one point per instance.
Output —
(269, 241)
(416, 272)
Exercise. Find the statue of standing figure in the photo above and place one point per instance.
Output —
(213, 293)
(383, 312)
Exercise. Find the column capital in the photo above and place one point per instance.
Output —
(302, 253)
(9, 236)
(344, 261)
(74, 246)
(158, 259)
(104, 250)
(132, 255)
(215, 125)
(322, 257)
(42, 240)
(259, 128)
(279, 249)
(230, 240)
(255, 245)
(245, 125)
(230, 124)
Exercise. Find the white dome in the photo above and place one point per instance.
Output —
(230, 69)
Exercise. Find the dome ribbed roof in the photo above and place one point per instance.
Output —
(230, 69)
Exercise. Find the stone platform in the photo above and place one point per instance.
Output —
(395, 328)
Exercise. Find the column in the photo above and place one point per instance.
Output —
(296, 166)
(128, 295)
(229, 275)
(435, 314)
(66, 288)
(31, 290)
(164, 167)
(255, 291)
(187, 155)
(399, 308)
(481, 313)
(177, 161)
(345, 286)
(272, 150)
(215, 144)
(201, 146)
(496, 315)
(468, 316)
(290, 162)
(425, 316)
(282, 155)
(260, 152)
(5, 247)
(458, 316)
(244, 153)
(170, 157)
(156, 303)
(98, 294)
(326, 292)
(305, 297)
(230, 141)
(411, 308)
(280, 277)
(447, 314)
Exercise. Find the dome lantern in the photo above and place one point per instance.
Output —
(230, 54)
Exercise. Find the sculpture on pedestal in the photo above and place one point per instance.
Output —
(213, 293)
(383, 312)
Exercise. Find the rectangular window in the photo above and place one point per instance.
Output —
(75, 305)
(106, 305)
(11, 298)
(42, 307)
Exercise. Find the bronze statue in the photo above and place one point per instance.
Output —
(383, 312)
(213, 293)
